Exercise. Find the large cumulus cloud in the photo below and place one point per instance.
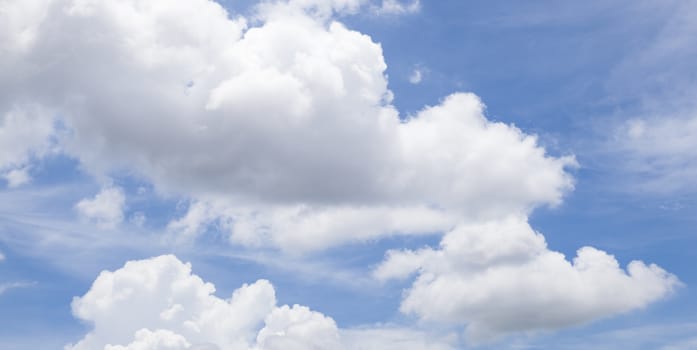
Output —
(286, 110)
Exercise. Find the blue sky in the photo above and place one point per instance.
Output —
(330, 148)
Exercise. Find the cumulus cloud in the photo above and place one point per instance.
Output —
(451, 164)
(158, 304)
(105, 209)
(280, 129)
(500, 277)
(292, 112)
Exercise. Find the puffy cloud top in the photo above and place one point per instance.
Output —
(500, 277)
(158, 304)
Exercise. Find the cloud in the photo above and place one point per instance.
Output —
(4, 287)
(500, 278)
(659, 153)
(280, 129)
(655, 145)
(395, 338)
(396, 7)
(25, 130)
(416, 76)
(292, 112)
(106, 208)
(17, 177)
(159, 304)
(452, 165)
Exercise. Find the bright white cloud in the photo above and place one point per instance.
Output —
(293, 112)
(105, 209)
(158, 304)
(500, 277)
(279, 128)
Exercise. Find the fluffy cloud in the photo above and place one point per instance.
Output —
(105, 209)
(500, 277)
(279, 127)
(17, 177)
(25, 132)
(450, 164)
(158, 304)
(289, 119)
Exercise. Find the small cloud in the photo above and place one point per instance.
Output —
(106, 208)
(4, 287)
(2, 256)
(396, 7)
(17, 177)
(416, 76)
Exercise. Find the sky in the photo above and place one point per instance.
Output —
(347, 174)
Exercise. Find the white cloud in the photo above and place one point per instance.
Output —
(279, 128)
(500, 278)
(293, 112)
(17, 177)
(159, 304)
(450, 164)
(106, 208)
(416, 76)
(24, 130)
(2, 257)
(298, 328)
(397, 7)
(660, 154)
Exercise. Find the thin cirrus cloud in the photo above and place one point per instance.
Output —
(280, 127)
(657, 142)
